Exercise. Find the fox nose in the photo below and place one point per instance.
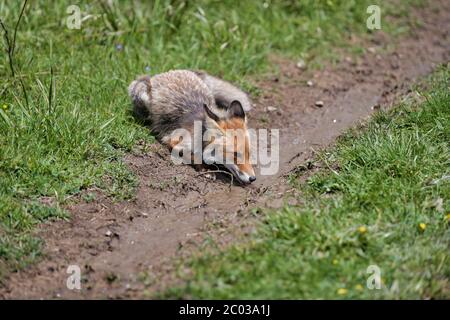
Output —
(252, 178)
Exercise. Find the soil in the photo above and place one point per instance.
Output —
(128, 249)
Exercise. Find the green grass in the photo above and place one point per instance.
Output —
(64, 124)
(382, 199)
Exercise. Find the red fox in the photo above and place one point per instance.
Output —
(180, 99)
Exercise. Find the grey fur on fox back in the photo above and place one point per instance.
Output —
(176, 98)
(170, 100)
(224, 92)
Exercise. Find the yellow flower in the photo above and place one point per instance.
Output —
(359, 287)
(335, 261)
(5, 107)
(362, 229)
(342, 291)
(448, 217)
(422, 226)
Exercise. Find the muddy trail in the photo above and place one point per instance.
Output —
(128, 248)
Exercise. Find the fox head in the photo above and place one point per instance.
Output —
(228, 141)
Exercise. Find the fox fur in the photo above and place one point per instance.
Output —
(224, 92)
(179, 98)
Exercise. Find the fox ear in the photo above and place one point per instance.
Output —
(235, 110)
(210, 114)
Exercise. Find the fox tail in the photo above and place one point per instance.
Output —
(140, 92)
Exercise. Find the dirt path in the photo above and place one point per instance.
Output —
(122, 246)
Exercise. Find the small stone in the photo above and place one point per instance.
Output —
(319, 103)
(371, 49)
(210, 176)
(309, 83)
(334, 121)
(301, 64)
(271, 109)
(108, 233)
